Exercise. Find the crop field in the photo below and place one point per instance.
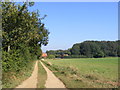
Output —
(86, 72)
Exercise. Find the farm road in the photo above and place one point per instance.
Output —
(31, 82)
(52, 81)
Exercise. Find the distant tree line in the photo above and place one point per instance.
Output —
(90, 49)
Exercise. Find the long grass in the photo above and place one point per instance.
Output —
(86, 72)
(42, 76)
(13, 79)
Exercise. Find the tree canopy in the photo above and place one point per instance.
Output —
(23, 34)
(22, 27)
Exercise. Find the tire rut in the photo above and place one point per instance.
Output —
(52, 81)
(31, 82)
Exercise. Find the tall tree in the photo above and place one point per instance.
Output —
(21, 26)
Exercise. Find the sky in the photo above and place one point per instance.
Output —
(75, 22)
(61, 0)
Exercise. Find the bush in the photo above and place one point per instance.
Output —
(99, 54)
(51, 56)
(15, 60)
(10, 61)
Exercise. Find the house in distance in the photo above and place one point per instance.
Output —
(44, 55)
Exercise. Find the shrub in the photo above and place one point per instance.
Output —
(11, 61)
(15, 60)
(99, 54)
(51, 56)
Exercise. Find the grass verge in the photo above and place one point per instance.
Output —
(42, 76)
(13, 79)
(67, 75)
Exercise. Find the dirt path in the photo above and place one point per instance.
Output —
(52, 81)
(31, 82)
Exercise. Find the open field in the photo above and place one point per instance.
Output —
(86, 72)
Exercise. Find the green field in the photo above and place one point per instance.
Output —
(86, 72)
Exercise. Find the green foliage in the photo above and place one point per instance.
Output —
(15, 60)
(99, 54)
(13, 79)
(99, 48)
(21, 26)
(58, 53)
(91, 49)
(23, 34)
(75, 49)
(9, 61)
(51, 56)
(76, 56)
(118, 51)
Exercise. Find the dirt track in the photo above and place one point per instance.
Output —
(52, 81)
(31, 82)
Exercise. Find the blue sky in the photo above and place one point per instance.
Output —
(75, 22)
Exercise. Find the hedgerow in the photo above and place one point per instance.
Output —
(23, 34)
